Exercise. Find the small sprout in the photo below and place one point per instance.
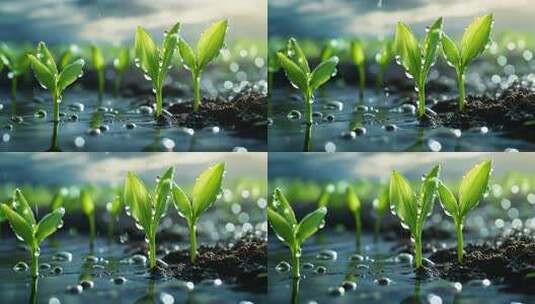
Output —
(155, 62)
(27, 229)
(418, 59)
(120, 64)
(57, 200)
(147, 208)
(329, 50)
(380, 204)
(69, 55)
(471, 190)
(325, 196)
(413, 208)
(358, 55)
(475, 39)
(383, 58)
(48, 76)
(114, 208)
(17, 65)
(354, 205)
(88, 207)
(300, 76)
(98, 64)
(282, 219)
(208, 48)
(204, 194)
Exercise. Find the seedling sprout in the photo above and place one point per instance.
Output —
(16, 64)
(380, 204)
(120, 64)
(358, 55)
(471, 190)
(204, 194)
(48, 76)
(23, 223)
(284, 223)
(417, 59)
(208, 48)
(383, 58)
(98, 64)
(301, 77)
(114, 209)
(354, 205)
(88, 207)
(148, 208)
(475, 40)
(154, 61)
(413, 208)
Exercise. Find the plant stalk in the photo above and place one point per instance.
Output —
(296, 272)
(358, 227)
(462, 97)
(362, 81)
(100, 83)
(308, 108)
(421, 100)
(418, 251)
(91, 218)
(34, 261)
(152, 250)
(193, 241)
(14, 87)
(159, 101)
(196, 91)
(56, 107)
(460, 241)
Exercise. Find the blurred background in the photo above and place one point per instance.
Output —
(322, 19)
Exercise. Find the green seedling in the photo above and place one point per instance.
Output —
(414, 208)
(120, 64)
(146, 208)
(358, 55)
(155, 62)
(475, 40)
(325, 195)
(380, 205)
(23, 223)
(88, 207)
(354, 205)
(204, 194)
(57, 200)
(48, 76)
(208, 48)
(17, 65)
(114, 209)
(284, 223)
(471, 190)
(383, 58)
(418, 59)
(97, 59)
(329, 50)
(301, 77)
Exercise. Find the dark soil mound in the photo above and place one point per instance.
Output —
(509, 259)
(243, 263)
(512, 111)
(245, 113)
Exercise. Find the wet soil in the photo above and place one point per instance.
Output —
(509, 259)
(513, 111)
(243, 263)
(245, 113)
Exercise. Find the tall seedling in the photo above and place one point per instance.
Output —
(16, 64)
(120, 64)
(414, 208)
(204, 194)
(417, 59)
(301, 77)
(48, 76)
(471, 190)
(98, 64)
(358, 55)
(383, 58)
(148, 208)
(27, 229)
(354, 205)
(155, 62)
(380, 205)
(88, 207)
(114, 209)
(284, 223)
(208, 48)
(475, 39)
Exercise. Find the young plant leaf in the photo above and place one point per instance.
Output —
(451, 52)
(22, 207)
(448, 201)
(403, 199)
(323, 72)
(408, 50)
(310, 224)
(97, 58)
(211, 42)
(427, 194)
(123, 60)
(294, 73)
(282, 206)
(147, 53)
(163, 191)
(43, 74)
(88, 206)
(182, 203)
(114, 207)
(353, 202)
(70, 74)
(431, 45)
(187, 54)
(207, 187)
(475, 38)
(137, 200)
(295, 52)
(44, 55)
(20, 226)
(473, 186)
(281, 227)
(357, 52)
(49, 224)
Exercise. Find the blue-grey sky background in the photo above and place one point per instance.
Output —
(114, 21)
(335, 18)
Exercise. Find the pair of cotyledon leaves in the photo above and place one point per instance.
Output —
(284, 223)
(23, 222)
(148, 208)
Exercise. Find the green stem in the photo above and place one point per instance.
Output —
(193, 241)
(91, 229)
(100, 83)
(196, 91)
(308, 139)
(296, 272)
(159, 101)
(460, 241)
(462, 97)
(152, 250)
(308, 108)
(14, 87)
(421, 100)
(418, 250)
(295, 291)
(358, 227)
(33, 294)
(56, 107)
(362, 81)
(35, 261)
